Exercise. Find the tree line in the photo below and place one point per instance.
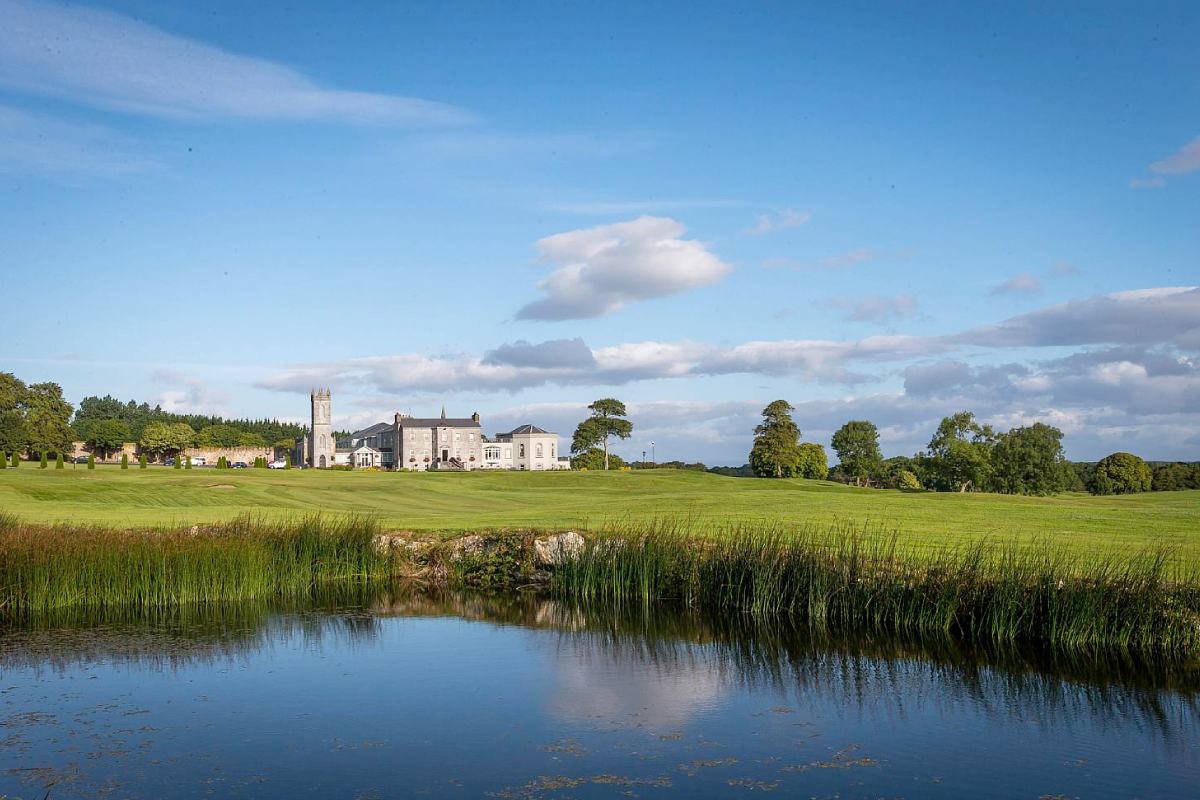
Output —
(963, 455)
(37, 421)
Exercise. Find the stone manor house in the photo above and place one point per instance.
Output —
(424, 443)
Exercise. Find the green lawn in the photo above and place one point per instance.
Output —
(463, 501)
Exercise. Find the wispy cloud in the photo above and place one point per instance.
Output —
(649, 206)
(1023, 283)
(484, 144)
(766, 223)
(1184, 160)
(1066, 268)
(874, 308)
(1157, 182)
(850, 259)
(110, 61)
(606, 267)
(40, 143)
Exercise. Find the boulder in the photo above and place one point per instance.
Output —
(557, 548)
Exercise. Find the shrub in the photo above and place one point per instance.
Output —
(220, 462)
(43, 466)
(187, 462)
(16, 460)
(142, 461)
(178, 461)
(58, 461)
(906, 481)
(124, 460)
(287, 460)
(91, 460)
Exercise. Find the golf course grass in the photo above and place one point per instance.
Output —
(595, 501)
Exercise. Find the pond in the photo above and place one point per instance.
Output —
(375, 694)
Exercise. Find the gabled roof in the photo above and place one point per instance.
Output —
(527, 429)
(438, 422)
(374, 430)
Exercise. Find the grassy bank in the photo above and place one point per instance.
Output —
(48, 567)
(595, 501)
(873, 582)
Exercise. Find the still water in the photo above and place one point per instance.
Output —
(402, 694)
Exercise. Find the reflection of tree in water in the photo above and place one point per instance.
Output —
(887, 676)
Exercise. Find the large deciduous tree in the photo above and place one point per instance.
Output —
(163, 438)
(106, 435)
(1121, 473)
(776, 449)
(14, 436)
(1029, 460)
(961, 452)
(47, 419)
(857, 446)
(812, 462)
(607, 420)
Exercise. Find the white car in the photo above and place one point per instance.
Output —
(280, 464)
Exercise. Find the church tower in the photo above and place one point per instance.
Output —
(321, 444)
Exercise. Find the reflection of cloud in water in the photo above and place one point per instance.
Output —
(616, 686)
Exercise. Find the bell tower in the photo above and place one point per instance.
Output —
(320, 445)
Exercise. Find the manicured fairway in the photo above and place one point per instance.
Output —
(464, 501)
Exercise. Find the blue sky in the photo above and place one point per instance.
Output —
(880, 211)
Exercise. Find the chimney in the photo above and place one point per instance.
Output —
(475, 417)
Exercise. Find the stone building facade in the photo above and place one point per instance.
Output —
(454, 443)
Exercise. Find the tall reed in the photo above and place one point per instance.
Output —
(48, 567)
(854, 579)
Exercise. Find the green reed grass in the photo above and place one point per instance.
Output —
(46, 567)
(848, 579)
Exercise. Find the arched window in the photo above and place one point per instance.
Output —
(521, 451)
(324, 442)
(552, 451)
(537, 450)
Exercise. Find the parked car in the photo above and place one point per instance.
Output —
(278, 464)
(168, 462)
(239, 465)
(79, 460)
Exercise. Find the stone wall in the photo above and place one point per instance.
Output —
(209, 454)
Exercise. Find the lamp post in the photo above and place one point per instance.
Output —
(653, 460)
(643, 459)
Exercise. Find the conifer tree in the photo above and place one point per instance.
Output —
(91, 460)
(287, 460)
(43, 466)
(58, 462)
(142, 461)
(16, 459)
(124, 460)
(187, 462)
(178, 461)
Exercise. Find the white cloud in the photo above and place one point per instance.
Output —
(606, 267)
(110, 61)
(1024, 283)
(850, 259)
(40, 143)
(1066, 268)
(193, 398)
(874, 308)
(1184, 160)
(765, 223)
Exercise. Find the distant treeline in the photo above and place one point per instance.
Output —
(964, 455)
(35, 420)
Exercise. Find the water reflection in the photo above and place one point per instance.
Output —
(690, 689)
